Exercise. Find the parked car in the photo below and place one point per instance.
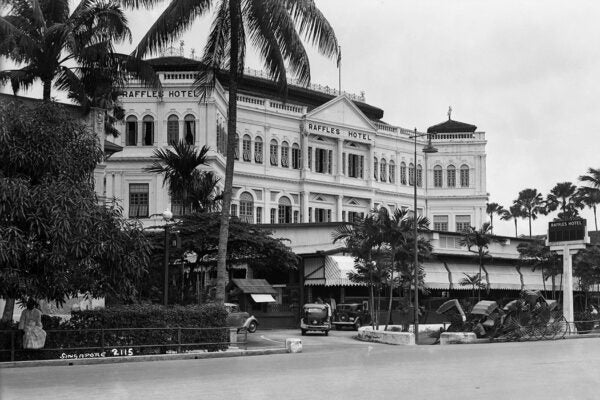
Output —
(315, 317)
(240, 319)
(353, 315)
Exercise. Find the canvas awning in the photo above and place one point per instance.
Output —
(254, 286)
(459, 272)
(262, 298)
(436, 275)
(532, 280)
(330, 271)
(503, 277)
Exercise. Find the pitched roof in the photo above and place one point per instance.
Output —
(261, 86)
(254, 286)
(451, 126)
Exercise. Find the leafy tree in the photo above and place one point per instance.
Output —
(477, 241)
(563, 196)
(586, 267)
(203, 193)
(75, 50)
(274, 28)
(531, 204)
(248, 243)
(491, 209)
(537, 255)
(56, 241)
(513, 213)
(590, 195)
(181, 173)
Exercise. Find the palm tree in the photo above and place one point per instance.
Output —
(471, 280)
(203, 194)
(275, 29)
(590, 195)
(491, 209)
(536, 255)
(513, 213)
(477, 241)
(180, 167)
(73, 50)
(399, 235)
(562, 196)
(531, 204)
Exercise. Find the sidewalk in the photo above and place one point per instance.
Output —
(232, 352)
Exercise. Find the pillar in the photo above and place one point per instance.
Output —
(338, 208)
(340, 160)
(305, 201)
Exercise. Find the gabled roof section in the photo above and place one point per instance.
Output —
(451, 126)
(343, 111)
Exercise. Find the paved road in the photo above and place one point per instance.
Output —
(335, 367)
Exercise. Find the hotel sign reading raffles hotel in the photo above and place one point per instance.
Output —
(339, 133)
(141, 94)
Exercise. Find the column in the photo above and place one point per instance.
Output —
(369, 166)
(338, 209)
(567, 305)
(305, 201)
(340, 160)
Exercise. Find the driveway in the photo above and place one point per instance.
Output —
(311, 342)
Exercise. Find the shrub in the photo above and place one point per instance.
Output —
(585, 321)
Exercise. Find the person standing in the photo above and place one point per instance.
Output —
(31, 325)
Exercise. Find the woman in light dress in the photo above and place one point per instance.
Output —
(31, 324)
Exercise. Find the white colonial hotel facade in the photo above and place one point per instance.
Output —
(315, 158)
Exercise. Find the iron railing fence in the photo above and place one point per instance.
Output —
(117, 342)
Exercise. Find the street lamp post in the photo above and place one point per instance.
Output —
(427, 149)
(167, 216)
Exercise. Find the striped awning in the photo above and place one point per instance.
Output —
(503, 277)
(330, 271)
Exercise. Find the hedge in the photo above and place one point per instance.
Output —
(114, 322)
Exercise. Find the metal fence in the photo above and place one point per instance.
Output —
(119, 342)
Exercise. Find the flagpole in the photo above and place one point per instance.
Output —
(340, 69)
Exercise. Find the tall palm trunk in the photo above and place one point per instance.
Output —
(516, 234)
(47, 85)
(231, 129)
(529, 223)
(9, 308)
(595, 219)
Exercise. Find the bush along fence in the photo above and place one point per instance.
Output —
(128, 331)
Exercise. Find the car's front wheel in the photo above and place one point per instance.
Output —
(252, 327)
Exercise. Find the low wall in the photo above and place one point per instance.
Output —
(457, 338)
(388, 337)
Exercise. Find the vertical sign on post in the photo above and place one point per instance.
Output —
(567, 238)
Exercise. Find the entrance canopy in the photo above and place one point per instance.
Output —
(262, 298)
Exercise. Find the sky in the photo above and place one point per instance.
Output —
(525, 72)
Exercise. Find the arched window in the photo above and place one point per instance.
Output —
(296, 156)
(274, 152)
(411, 174)
(190, 129)
(172, 129)
(236, 151)
(419, 175)
(247, 208)
(392, 172)
(285, 210)
(285, 154)
(247, 148)
(383, 170)
(131, 131)
(375, 168)
(403, 173)
(464, 175)
(437, 176)
(258, 150)
(451, 178)
(147, 130)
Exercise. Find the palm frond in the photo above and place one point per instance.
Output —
(176, 19)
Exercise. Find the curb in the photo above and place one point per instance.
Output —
(156, 357)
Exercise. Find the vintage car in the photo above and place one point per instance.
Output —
(240, 319)
(353, 315)
(315, 317)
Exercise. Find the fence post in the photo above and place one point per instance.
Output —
(179, 340)
(102, 339)
(12, 346)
